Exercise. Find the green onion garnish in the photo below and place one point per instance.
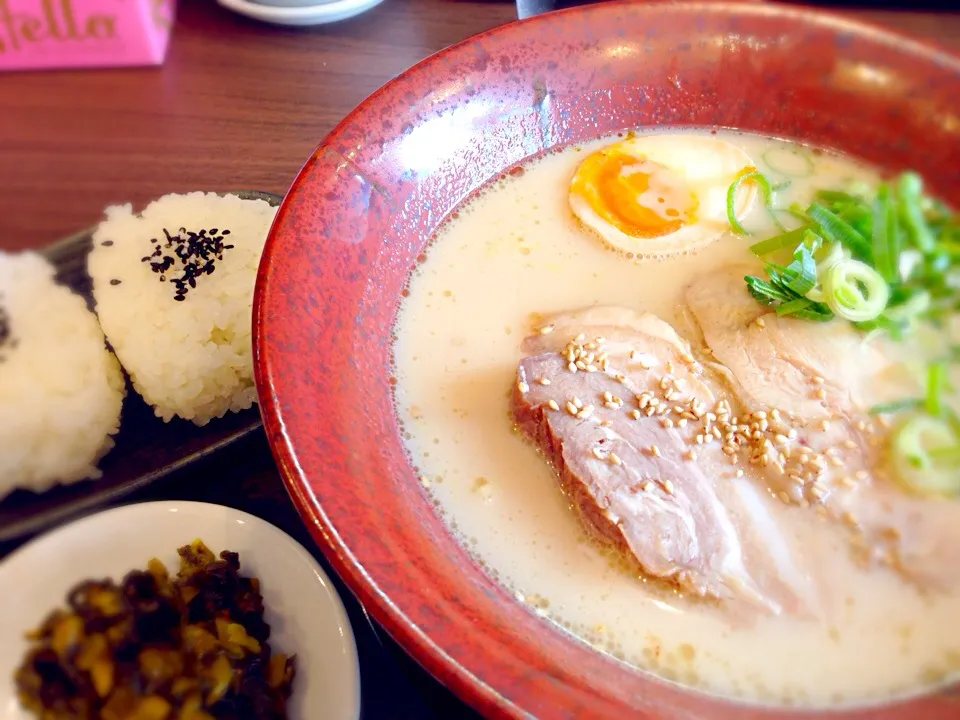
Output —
(860, 218)
(949, 457)
(855, 291)
(911, 303)
(835, 229)
(766, 293)
(804, 269)
(909, 192)
(936, 383)
(895, 406)
(923, 452)
(778, 242)
(793, 307)
(953, 420)
(777, 293)
(906, 244)
(815, 311)
(835, 198)
(766, 193)
(798, 211)
(882, 323)
(886, 236)
(783, 166)
(918, 436)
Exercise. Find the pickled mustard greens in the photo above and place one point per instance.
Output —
(886, 261)
(192, 647)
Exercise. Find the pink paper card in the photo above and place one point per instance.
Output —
(37, 34)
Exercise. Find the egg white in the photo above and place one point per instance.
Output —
(708, 166)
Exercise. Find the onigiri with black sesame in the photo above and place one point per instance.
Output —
(173, 286)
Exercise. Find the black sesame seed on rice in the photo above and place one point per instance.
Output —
(6, 339)
(194, 254)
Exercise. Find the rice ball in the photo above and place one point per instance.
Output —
(61, 389)
(173, 287)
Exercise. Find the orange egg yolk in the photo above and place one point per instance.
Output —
(614, 195)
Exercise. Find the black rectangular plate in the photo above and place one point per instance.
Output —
(146, 447)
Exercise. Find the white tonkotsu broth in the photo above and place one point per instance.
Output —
(517, 250)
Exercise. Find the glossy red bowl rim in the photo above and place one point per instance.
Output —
(347, 555)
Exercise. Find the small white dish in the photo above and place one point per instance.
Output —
(271, 11)
(293, 3)
(303, 609)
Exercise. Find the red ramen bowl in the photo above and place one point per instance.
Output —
(362, 209)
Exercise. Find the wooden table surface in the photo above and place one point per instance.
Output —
(236, 105)
(241, 105)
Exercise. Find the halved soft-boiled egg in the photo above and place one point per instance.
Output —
(661, 194)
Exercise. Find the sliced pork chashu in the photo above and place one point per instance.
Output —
(821, 378)
(616, 401)
(807, 369)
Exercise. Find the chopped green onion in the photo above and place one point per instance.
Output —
(777, 293)
(732, 203)
(938, 261)
(836, 229)
(910, 305)
(909, 261)
(891, 252)
(895, 406)
(904, 308)
(805, 269)
(786, 218)
(766, 193)
(764, 292)
(946, 456)
(837, 197)
(860, 218)
(778, 242)
(886, 236)
(909, 194)
(783, 165)
(950, 247)
(855, 291)
(832, 253)
(882, 324)
(798, 211)
(919, 446)
(813, 242)
(936, 382)
(805, 310)
(791, 307)
(953, 420)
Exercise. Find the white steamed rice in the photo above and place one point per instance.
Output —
(190, 358)
(61, 390)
